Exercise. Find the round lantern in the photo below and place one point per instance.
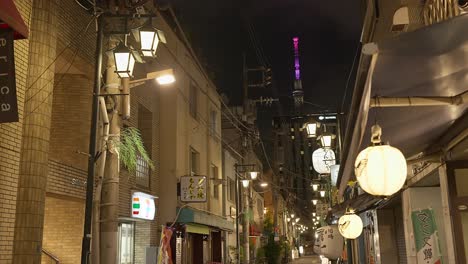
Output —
(380, 169)
(350, 225)
(322, 159)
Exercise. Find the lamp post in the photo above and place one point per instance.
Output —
(246, 169)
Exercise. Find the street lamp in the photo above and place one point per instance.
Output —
(149, 40)
(311, 129)
(314, 214)
(253, 175)
(314, 201)
(124, 61)
(263, 184)
(315, 186)
(326, 140)
(245, 183)
(288, 219)
(297, 219)
(322, 193)
(292, 215)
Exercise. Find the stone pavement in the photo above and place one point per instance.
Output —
(307, 260)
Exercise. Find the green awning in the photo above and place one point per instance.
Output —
(197, 229)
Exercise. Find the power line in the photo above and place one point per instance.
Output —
(349, 78)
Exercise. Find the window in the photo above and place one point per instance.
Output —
(260, 206)
(213, 119)
(214, 184)
(193, 100)
(142, 172)
(231, 195)
(194, 162)
(126, 240)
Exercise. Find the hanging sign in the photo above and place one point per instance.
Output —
(143, 206)
(8, 103)
(425, 236)
(178, 250)
(329, 242)
(193, 189)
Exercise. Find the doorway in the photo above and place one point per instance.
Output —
(457, 174)
(216, 248)
(197, 248)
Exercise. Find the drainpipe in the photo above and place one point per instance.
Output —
(224, 198)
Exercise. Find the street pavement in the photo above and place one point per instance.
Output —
(307, 260)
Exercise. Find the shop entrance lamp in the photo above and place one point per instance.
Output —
(124, 61)
(380, 169)
(149, 40)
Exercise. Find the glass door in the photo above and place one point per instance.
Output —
(457, 173)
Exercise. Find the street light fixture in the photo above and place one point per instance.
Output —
(314, 214)
(292, 215)
(245, 183)
(326, 140)
(315, 186)
(149, 40)
(124, 61)
(322, 193)
(314, 201)
(297, 219)
(263, 184)
(253, 175)
(311, 129)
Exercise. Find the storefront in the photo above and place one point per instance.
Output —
(200, 237)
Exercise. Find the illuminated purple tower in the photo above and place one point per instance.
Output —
(298, 93)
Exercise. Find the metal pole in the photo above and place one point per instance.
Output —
(85, 246)
(237, 216)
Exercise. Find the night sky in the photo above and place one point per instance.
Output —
(329, 34)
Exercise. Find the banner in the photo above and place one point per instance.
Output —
(164, 253)
(426, 237)
(8, 103)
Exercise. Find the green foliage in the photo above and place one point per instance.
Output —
(272, 249)
(130, 146)
(260, 255)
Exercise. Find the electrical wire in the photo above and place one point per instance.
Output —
(56, 58)
(349, 78)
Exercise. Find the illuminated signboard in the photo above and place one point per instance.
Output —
(193, 189)
(143, 206)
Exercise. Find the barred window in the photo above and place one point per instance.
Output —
(142, 172)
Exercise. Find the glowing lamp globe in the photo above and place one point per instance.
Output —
(350, 225)
(381, 170)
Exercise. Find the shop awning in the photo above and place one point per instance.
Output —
(429, 62)
(11, 18)
(193, 216)
(197, 229)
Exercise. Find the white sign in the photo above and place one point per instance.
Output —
(193, 189)
(143, 206)
(178, 250)
(334, 169)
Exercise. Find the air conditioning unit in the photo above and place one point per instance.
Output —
(400, 20)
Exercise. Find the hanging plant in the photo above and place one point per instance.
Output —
(130, 146)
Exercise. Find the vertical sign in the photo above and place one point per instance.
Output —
(425, 236)
(178, 250)
(8, 103)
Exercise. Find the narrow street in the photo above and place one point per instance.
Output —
(307, 260)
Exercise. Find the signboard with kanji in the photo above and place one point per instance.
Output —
(193, 189)
(426, 237)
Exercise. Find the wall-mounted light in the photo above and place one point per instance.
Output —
(314, 201)
(326, 140)
(311, 129)
(253, 175)
(149, 40)
(263, 184)
(322, 193)
(245, 183)
(315, 186)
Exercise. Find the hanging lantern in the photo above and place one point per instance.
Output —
(380, 169)
(322, 159)
(315, 186)
(253, 175)
(314, 201)
(124, 61)
(328, 242)
(322, 193)
(350, 225)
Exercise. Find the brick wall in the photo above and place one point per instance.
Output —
(10, 144)
(63, 228)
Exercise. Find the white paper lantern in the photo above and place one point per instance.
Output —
(350, 225)
(322, 159)
(381, 170)
(329, 242)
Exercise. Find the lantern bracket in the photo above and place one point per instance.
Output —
(376, 134)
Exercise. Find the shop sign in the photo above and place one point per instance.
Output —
(143, 206)
(425, 236)
(8, 103)
(193, 189)
(178, 250)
